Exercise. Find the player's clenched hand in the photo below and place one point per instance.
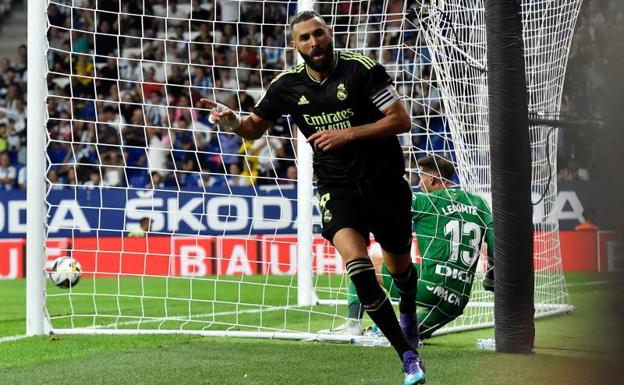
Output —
(330, 139)
(223, 116)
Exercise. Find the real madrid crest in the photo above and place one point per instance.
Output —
(341, 92)
(327, 216)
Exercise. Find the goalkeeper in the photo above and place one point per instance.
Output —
(451, 225)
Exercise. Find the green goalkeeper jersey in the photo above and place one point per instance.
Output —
(450, 226)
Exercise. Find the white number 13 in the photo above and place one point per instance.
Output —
(455, 230)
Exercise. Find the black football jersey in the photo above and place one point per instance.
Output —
(350, 96)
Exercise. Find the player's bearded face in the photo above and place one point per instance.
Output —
(323, 63)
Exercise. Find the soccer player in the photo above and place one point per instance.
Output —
(451, 225)
(349, 111)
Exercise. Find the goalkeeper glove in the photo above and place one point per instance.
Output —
(488, 281)
(227, 119)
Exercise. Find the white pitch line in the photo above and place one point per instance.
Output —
(250, 311)
(12, 338)
(183, 318)
(592, 283)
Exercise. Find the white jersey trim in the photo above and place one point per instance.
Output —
(383, 98)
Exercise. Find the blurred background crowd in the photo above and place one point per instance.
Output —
(124, 90)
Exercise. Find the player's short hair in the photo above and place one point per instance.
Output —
(439, 165)
(304, 16)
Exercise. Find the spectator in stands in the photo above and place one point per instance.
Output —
(291, 174)
(21, 62)
(249, 175)
(8, 173)
(212, 179)
(21, 178)
(184, 111)
(13, 91)
(55, 17)
(228, 81)
(81, 154)
(247, 55)
(190, 176)
(105, 41)
(133, 132)
(155, 112)
(80, 43)
(176, 15)
(71, 177)
(272, 54)
(83, 67)
(201, 81)
(150, 83)
(4, 138)
(234, 177)
(18, 113)
(113, 171)
(156, 181)
(266, 152)
(130, 69)
(94, 179)
(253, 81)
(107, 78)
(53, 179)
(4, 65)
(158, 152)
(229, 148)
(572, 172)
(201, 11)
(202, 42)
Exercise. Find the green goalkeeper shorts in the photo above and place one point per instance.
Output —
(432, 313)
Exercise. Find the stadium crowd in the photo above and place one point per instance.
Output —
(124, 91)
(600, 22)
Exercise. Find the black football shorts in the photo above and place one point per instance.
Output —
(383, 210)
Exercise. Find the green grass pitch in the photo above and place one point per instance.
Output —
(578, 348)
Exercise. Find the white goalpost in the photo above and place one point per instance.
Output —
(181, 228)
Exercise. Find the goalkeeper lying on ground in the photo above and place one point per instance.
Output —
(451, 225)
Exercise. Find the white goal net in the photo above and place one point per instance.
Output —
(181, 228)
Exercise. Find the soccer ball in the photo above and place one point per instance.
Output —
(65, 272)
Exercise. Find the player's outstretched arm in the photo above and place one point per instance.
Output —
(251, 127)
(395, 121)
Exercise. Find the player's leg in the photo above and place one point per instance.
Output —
(385, 279)
(405, 279)
(392, 291)
(393, 231)
(340, 208)
(433, 318)
(355, 311)
(352, 247)
(433, 311)
(391, 224)
(388, 283)
(354, 307)
(347, 224)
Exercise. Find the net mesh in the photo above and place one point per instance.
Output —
(181, 227)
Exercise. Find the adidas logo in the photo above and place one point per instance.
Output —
(303, 100)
